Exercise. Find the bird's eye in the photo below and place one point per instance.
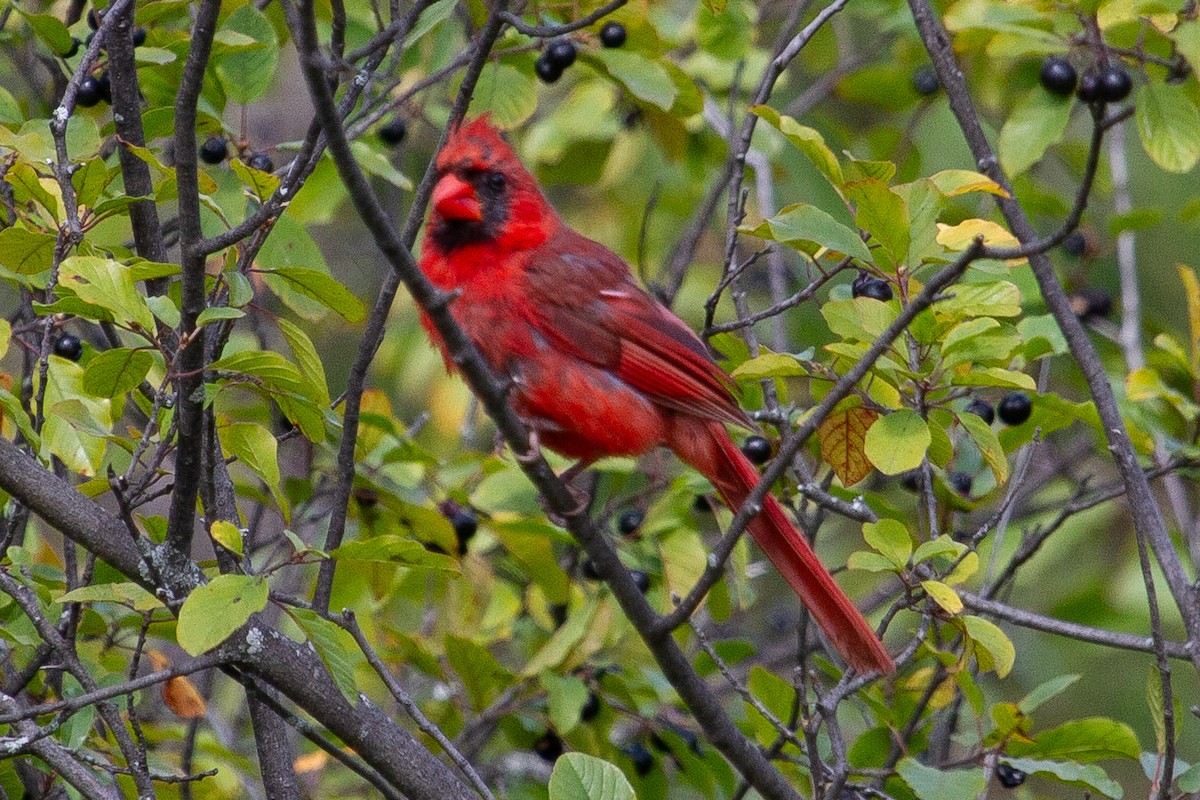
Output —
(496, 180)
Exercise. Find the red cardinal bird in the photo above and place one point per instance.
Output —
(598, 367)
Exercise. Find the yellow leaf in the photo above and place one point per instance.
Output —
(843, 437)
(180, 695)
(1191, 289)
(959, 237)
(943, 595)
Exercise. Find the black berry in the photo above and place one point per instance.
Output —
(1115, 84)
(591, 707)
(105, 86)
(366, 498)
(1010, 777)
(612, 34)
(1058, 76)
(643, 759)
(88, 41)
(911, 481)
(982, 409)
(75, 45)
(630, 521)
(640, 579)
(960, 482)
(139, 36)
(94, 18)
(261, 162)
(702, 504)
(546, 72)
(875, 288)
(68, 346)
(689, 738)
(757, 449)
(1015, 408)
(393, 132)
(214, 150)
(560, 53)
(1075, 244)
(925, 81)
(549, 746)
(465, 526)
(88, 93)
(1089, 87)
(589, 570)
(1090, 303)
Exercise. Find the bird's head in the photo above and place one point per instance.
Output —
(483, 191)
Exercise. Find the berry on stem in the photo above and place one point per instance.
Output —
(465, 526)
(549, 746)
(1114, 83)
(1090, 303)
(1058, 76)
(1089, 87)
(1075, 244)
(589, 570)
(640, 579)
(629, 521)
(1009, 776)
(393, 132)
(260, 161)
(925, 81)
(591, 707)
(214, 150)
(1015, 408)
(105, 85)
(612, 34)
(88, 93)
(68, 346)
(961, 482)
(875, 288)
(546, 72)
(643, 759)
(560, 53)
(757, 449)
(139, 36)
(982, 409)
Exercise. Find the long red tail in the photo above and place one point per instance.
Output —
(706, 446)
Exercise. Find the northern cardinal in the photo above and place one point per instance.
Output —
(599, 367)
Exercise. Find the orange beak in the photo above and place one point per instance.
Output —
(454, 198)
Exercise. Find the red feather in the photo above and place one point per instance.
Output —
(599, 368)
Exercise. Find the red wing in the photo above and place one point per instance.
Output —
(591, 309)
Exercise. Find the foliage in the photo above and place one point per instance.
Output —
(751, 161)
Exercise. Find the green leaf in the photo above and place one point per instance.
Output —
(578, 776)
(126, 594)
(1084, 740)
(394, 549)
(941, 546)
(26, 252)
(999, 299)
(870, 562)
(325, 289)
(261, 184)
(307, 359)
(929, 783)
(993, 648)
(1167, 120)
(1084, 776)
(105, 283)
(1038, 121)
(988, 443)
(1046, 691)
(115, 372)
(507, 93)
(429, 19)
(228, 536)
(77, 432)
(882, 213)
(376, 163)
(645, 79)
(256, 448)
(769, 365)
(89, 181)
(213, 611)
(49, 29)
(898, 442)
(801, 223)
(564, 640)
(245, 75)
(336, 648)
(808, 140)
(481, 673)
(217, 313)
(566, 695)
(891, 538)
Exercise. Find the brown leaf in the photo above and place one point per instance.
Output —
(180, 695)
(843, 436)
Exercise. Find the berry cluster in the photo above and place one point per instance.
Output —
(560, 53)
(97, 87)
(1109, 83)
